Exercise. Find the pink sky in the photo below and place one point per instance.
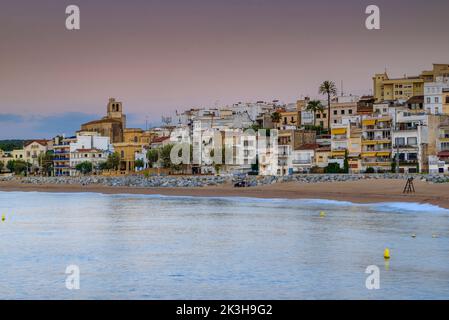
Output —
(161, 56)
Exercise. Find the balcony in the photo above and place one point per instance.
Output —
(308, 162)
(406, 128)
(405, 146)
(340, 138)
(408, 162)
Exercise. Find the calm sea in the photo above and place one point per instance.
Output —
(156, 247)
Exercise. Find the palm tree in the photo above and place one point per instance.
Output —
(314, 106)
(276, 117)
(328, 88)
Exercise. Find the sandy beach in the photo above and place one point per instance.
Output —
(363, 191)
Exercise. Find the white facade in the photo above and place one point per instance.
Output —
(90, 147)
(93, 156)
(433, 95)
(90, 140)
(409, 134)
(437, 166)
(303, 160)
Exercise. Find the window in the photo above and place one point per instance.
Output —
(428, 100)
(412, 156)
(318, 116)
(400, 142)
(437, 100)
(335, 112)
(412, 141)
(350, 111)
(342, 111)
(324, 116)
(447, 99)
(444, 146)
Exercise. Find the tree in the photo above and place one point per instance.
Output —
(314, 106)
(46, 162)
(328, 88)
(165, 156)
(370, 170)
(84, 167)
(333, 168)
(152, 156)
(17, 166)
(113, 161)
(103, 165)
(139, 163)
(2, 165)
(276, 117)
(346, 163)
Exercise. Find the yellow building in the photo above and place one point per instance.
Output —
(138, 135)
(397, 89)
(376, 144)
(33, 150)
(127, 152)
(288, 119)
(446, 101)
(5, 158)
(406, 87)
(322, 156)
(18, 154)
(112, 125)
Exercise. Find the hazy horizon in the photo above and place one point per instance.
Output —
(161, 56)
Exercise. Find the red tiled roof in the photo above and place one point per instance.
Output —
(159, 139)
(42, 142)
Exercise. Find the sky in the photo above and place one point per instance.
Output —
(159, 56)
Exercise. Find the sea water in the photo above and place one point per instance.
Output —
(159, 247)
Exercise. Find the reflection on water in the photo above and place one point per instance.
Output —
(154, 247)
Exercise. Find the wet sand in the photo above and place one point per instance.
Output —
(363, 191)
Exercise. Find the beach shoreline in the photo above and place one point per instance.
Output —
(362, 191)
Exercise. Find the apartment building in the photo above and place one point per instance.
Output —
(439, 163)
(410, 140)
(376, 144)
(390, 89)
(434, 97)
(88, 147)
(33, 151)
(61, 157)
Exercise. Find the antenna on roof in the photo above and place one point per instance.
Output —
(342, 88)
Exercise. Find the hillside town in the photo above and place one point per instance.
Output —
(402, 127)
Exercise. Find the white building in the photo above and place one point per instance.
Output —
(303, 159)
(268, 153)
(90, 147)
(433, 95)
(409, 138)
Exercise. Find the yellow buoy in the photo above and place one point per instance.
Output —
(387, 253)
(434, 235)
(3, 217)
(322, 214)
